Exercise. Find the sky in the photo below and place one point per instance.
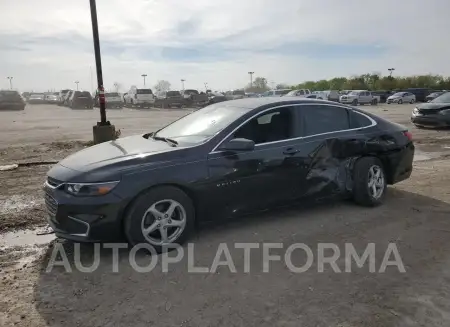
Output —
(47, 44)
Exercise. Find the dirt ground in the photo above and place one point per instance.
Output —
(414, 217)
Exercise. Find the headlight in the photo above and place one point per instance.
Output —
(445, 112)
(89, 189)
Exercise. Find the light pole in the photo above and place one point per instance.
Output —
(251, 79)
(182, 84)
(144, 76)
(206, 86)
(103, 131)
(391, 70)
(116, 86)
(10, 81)
(76, 82)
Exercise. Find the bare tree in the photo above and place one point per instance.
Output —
(162, 86)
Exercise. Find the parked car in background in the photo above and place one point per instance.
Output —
(298, 93)
(67, 97)
(62, 96)
(433, 95)
(320, 95)
(235, 94)
(137, 97)
(81, 100)
(357, 97)
(112, 100)
(332, 95)
(194, 98)
(11, 100)
(382, 95)
(225, 160)
(401, 97)
(216, 97)
(435, 113)
(420, 93)
(51, 99)
(276, 93)
(36, 98)
(170, 99)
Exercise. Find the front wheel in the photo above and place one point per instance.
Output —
(355, 102)
(374, 102)
(162, 216)
(400, 101)
(412, 101)
(369, 182)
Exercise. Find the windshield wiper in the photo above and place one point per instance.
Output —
(165, 139)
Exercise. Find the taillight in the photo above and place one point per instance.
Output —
(408, 135)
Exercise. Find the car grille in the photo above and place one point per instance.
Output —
(51, 204)
(429, 111)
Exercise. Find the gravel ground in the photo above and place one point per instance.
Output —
(414, 218)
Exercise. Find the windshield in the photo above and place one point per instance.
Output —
(172, 93)
(443, 98)
(144, 91)
(110, 95)
(398, 94)
(239, 92)
(202, 124)
(282, 92)
(353, 93)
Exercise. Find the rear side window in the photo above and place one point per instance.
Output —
(144, 91)
(319, 119)
(358, 120)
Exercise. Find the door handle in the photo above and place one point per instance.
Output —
(290, 151)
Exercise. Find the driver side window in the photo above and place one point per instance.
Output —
(270, 126)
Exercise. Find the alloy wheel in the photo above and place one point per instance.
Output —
(376, 182)
(163, 222)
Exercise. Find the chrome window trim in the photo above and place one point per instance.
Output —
(372, 121)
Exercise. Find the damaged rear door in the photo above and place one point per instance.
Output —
(329, 142)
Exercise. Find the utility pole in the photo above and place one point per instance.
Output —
(206, 86)
(76, 82)
(391, 70)
(103, 131)
(144, 76)
(251, 79)
(182, 84)
(10, 81)
(116, 87)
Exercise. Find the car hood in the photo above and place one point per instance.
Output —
(114, 152)
(433, 106)
(394, 97)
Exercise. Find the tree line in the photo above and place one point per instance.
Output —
(362, 82)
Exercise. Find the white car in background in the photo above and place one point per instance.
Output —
(298, 93)
(139, 97)
(401, 97)
(276, 93)
(357, 97)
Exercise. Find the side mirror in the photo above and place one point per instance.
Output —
(238, 144)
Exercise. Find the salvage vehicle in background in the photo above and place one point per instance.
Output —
(51, 99)
(224, 160)
(276, 93)
(81, 100)
(235, 94)
(382, 95)
(216, 97)
(67, 97)
(36, 98)
(62, 96)
(358, 97)
(142, 98)
(170, 99)
(435, 113)
(332, 95)
(194, 98)
(420, 93)
(401, 97)
(11, 100)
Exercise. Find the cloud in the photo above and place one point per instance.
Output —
(48, 44)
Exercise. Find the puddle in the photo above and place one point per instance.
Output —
(25, 238)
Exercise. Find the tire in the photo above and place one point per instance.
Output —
(400, 101)
(355, 102)
(136, 218)
(412, 101)
(374, 102)
(363, 193)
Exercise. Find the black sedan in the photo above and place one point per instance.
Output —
(435, 113)
(226, 159)
(433, 95)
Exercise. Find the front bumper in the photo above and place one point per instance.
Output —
(389, 101)
(84, 219)
(433, 120)
(347, 100)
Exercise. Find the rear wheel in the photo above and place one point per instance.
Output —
(162, 216)
(369, 182)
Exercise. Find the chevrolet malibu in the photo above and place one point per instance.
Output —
(227, 159)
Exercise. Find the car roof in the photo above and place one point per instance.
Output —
(253, 103)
